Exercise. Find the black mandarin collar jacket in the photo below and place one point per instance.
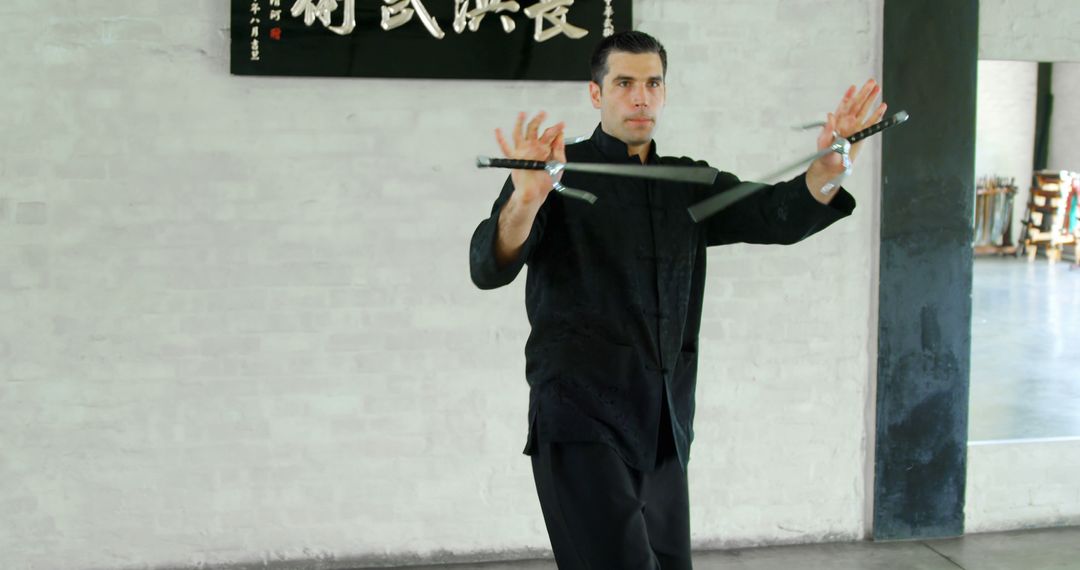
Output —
(614, 294)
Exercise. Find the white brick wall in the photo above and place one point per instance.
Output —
(1005, 127)
(1065, 121)
(238, 325)
(1022, 484)
(1029, 30)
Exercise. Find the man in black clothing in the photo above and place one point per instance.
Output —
(614, 296)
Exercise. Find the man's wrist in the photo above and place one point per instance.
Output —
(521, 206)
(818, 183)
(824, 182)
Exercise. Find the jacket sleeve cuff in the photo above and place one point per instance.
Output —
(483, 265)
(485, 269)
(842, 204)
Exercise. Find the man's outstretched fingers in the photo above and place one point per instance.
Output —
(559, 148)
(863, 122)
(855, 102)
(866, 102)
(534, 126)
(550, 133)
(877, 114)
(518, 133)
(502, 144)
(845, 102)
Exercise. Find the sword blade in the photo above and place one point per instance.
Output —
(711, 206)
(692, 174)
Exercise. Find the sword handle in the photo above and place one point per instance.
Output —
(878, 127)
(485, 162)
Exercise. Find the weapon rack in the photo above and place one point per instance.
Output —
(994, 198)
(1050, 222)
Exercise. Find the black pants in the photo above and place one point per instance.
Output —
(603, 515)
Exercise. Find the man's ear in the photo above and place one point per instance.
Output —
(594, 94)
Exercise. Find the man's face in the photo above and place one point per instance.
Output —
(632, 96)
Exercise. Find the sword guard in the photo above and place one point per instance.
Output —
(574, 193)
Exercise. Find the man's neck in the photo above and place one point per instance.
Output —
(641, 151)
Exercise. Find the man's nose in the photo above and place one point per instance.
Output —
(639, 96)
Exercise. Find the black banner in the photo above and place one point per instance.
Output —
(438, 39)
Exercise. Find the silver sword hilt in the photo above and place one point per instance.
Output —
(841, 146)
(553, 168)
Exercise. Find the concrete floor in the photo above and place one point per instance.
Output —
(1025, 350)
(1046, 549)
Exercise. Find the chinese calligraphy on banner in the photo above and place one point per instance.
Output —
(444, 39)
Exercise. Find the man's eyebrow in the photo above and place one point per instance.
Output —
(628, 78)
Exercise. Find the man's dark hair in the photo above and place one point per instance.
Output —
(630, 42)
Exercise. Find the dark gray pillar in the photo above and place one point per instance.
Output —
(1044, 109)
(924, 326)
